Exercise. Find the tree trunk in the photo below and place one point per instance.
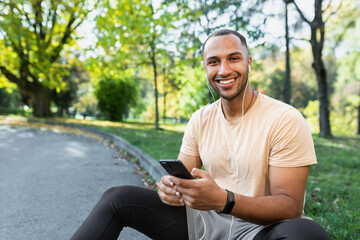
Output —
(324, 115)
(317, 42)
(317, 39)
(358, 131)
(153, 61)
(287, 85)
(164, 112)
(164, 93)
(321, 78)
(41, 101)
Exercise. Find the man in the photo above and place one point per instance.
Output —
(256, 153)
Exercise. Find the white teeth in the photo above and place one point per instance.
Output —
(227, 81)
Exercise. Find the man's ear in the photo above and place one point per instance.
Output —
(249, 62)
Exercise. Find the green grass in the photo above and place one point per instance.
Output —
(333, 191)
(333, 188)
(163, 144)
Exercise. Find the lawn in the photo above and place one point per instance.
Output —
(333, 190)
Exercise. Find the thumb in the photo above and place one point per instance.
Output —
(198, 173)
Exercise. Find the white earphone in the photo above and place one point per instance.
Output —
(207, 81)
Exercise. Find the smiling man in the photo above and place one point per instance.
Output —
(256, 153)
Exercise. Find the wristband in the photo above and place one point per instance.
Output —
(230, 202)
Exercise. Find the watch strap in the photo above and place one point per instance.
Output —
(230, 202)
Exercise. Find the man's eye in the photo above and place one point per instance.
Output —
(212, 62)
(235, 59)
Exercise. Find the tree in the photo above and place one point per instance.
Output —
(276, 87)
(287, 85)
(64, 98)
(169, 84)
(133, 32)
(317, 39)
(116, 96)
(195, 91)
(36, 32)
(348, 80)
(9, 98)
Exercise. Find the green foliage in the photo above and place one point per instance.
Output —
(198, 19)
(34, 36)
(132, 33)
(343, 122)
(9, 97)
(344, 32)
(311, 113)
(276, 87)
(193, 90)
(115, 96)
(39, 35)
(64, 98)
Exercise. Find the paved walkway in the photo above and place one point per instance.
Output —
(50, 181)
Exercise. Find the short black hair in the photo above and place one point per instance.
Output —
(224, 32)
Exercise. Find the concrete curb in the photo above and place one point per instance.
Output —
(151, 165)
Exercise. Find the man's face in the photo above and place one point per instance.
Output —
(226, 64)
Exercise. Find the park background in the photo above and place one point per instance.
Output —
(134, 68)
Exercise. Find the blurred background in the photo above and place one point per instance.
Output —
(140, 60)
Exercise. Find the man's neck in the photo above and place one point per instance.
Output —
(233, 109)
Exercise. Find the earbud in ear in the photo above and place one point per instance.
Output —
(249, 69)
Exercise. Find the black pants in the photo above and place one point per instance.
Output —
(142, 209)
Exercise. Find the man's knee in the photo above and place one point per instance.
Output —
(116, 194)
(299, 229)
(125, 195)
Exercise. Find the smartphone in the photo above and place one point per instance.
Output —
(176, 168)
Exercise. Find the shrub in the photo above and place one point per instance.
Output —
(116, 96)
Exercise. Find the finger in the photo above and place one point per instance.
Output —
(172, 200)
(198, 173)
(167, 181)
(181, 182)
(166, 189)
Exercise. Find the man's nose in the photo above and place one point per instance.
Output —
(224, 69)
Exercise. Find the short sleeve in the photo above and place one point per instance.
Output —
(189, 144)
(292, 144)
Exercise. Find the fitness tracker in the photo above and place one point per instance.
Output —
(230, 202)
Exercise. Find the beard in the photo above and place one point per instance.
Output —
(237, 93)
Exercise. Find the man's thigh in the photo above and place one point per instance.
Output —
(294, 229)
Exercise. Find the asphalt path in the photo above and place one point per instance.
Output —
(49, 182)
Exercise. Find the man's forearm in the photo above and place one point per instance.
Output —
(266, 210)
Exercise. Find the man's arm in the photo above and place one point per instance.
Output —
(190, 162)
(287, 186)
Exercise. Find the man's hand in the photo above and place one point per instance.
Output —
(168, 194)
(202, 193)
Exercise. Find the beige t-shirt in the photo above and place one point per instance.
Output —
(237, 154)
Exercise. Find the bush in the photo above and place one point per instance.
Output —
(116, 96)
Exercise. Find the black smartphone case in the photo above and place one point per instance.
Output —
(176, 168)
